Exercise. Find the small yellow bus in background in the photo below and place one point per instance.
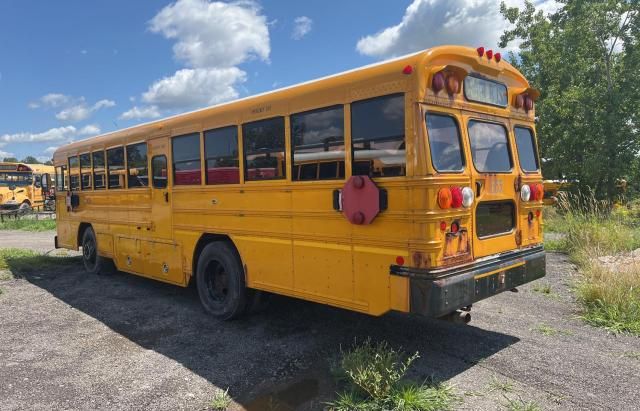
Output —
(21, 185)
(411, 185)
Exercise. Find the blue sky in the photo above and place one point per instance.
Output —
(73, 69)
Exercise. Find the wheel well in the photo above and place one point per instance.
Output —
(28, 202)
(83, 227)
(202, 242)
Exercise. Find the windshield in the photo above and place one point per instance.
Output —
(489, 147)
(15, 179)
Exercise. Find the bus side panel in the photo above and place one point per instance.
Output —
(268, 261)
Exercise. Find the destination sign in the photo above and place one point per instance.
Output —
(485, 91)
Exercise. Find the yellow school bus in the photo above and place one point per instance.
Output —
(21, 185)
(411, 185)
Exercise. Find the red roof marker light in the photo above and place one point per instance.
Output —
(407, 70)
(489, 54)
(498, 57)
(480, 51)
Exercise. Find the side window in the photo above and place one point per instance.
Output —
(137, 166)
(85, 171)
(221, 153)
(115, 167)
(263, 143)
(99, 170)
(444, 142)
(377, 135)
(159, 170)
(186, 159)
(60, 171)
(74, 173)
(317, 141)
(527, 153)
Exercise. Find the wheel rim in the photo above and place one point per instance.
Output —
(89, 252)
(217, 281)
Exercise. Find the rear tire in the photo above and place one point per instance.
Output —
(93, 263)
(220, 281)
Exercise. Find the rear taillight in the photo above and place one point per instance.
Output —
(455, 197)
(533, 192)
(539, 192)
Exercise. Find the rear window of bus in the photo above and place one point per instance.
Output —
(489, 147)
(526, 145)
(444, 141)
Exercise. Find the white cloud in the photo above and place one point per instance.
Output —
(43, 159)
(51, 150)
(82, 111)
(4, 154)
(61, 134)
(90, 129)
(195, 87)
(137, 113)
(211, 38)
(428, 23)
(51, 100)
(302, 27)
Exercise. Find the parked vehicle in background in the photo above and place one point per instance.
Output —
(411, 185)
(21, 185)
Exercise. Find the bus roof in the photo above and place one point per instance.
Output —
(35, 168)
(422, 58)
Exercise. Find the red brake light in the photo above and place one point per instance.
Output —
(480, 51)
(534, 192)
(489, 54)
(407, 70)
(438, 82)
(498, 57)
(456, 197)
(443, 226)
(539, 192)
(400, 260)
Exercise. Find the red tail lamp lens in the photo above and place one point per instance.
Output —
(443, 226)
(453, 84)
(407, 70)
(528, 103)
(538, 213)
(498, 57)
(438, 82)
(455, 227)
(444, 198)
(480, 51)
(400, 260)
(519, 103)
(456, 197)
(489, 54)
(534, 192)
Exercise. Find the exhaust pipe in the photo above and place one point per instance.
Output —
(458, 317)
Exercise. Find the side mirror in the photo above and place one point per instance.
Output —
(44, 182)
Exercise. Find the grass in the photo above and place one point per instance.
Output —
(543, 288)
(373, 377)
(521, 405)
(610, 297)
(28, 225)
(220, 401)
(505, 386)
(548, 330)
(15, 261)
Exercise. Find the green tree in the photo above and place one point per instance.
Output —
(30, 160)
(10, 160)
(585, 60)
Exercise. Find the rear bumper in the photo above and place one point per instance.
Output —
(435, 293)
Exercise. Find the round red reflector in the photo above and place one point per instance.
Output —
(538, 213)
(498, 57)
(455, 227)
(407, 70)
(444, 198)
(480, 51)
(519, 103)
(438, 82)
(456, 197)
(489, 54)
(453, 84)
(400, 260)
(443, 226)
(528, 103)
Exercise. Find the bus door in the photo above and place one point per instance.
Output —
(162, 255)
(494, 180)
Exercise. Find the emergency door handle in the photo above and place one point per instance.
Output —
(166, 197)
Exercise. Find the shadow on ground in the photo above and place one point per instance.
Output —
(279, 358)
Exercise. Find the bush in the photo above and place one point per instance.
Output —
(374, 378)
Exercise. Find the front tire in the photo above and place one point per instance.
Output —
(93, 263)
(220, 281)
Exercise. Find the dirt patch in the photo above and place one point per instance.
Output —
(73, 341)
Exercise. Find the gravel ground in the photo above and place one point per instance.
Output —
(73, 341)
